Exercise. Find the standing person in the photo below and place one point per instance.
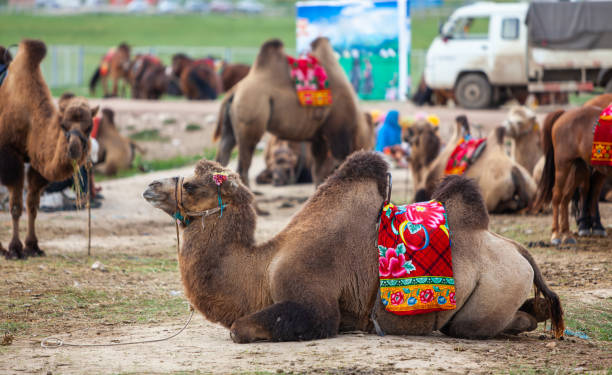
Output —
(368, 79)
(356, 74)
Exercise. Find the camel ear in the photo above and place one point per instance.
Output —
(94, 111)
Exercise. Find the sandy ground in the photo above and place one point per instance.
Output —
(127, 224)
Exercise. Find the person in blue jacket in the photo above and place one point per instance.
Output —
(390, 133)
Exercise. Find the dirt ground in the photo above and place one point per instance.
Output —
(138, 295)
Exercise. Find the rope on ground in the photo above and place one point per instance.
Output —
(54, 342)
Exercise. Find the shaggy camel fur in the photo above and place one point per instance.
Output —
(33, 130)
(231, 74)
(116, 151)
(567, 140)
(505, 185)
(522, 127)
(287, 163)
(266, 100)
(601, 101)
(319, 276)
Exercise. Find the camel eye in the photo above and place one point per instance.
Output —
(189, 187)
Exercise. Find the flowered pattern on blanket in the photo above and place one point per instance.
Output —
(465, 153)
(415, 260)
(310, 80)
(602, 139)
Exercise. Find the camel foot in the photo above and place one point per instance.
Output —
(32, 250)
(599, 232)
(15, 250)
(569, 240)
(522, 322)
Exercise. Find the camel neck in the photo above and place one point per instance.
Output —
(526, 150)
(224, 274)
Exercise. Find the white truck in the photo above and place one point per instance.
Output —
(488, 52)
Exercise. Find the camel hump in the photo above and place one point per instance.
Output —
(35, 50)
(269, 50)
(363, 165)
(315, 43)
(465, 207)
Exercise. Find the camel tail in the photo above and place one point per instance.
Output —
(547, 181)
(223, 120)
(94, 81)
(554, 303)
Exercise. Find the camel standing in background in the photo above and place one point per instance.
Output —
(319, 275)
(197, 78)
(266, 100)
(506, 186)
(114, 65)
(32, 129)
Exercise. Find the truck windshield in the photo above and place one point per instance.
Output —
(468, 28)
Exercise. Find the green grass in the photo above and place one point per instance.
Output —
(148, 30)
(594, 320)
(193, 127)
(148, 135)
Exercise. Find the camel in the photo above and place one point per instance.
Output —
(114, 65)
(291, 288)
(567, 140)
(198, 79)
(601, 101)
(147, 77)
(522, 127)
(505, 185)
(266, 100)
(286, 163)
(116, 151)
(32, 129)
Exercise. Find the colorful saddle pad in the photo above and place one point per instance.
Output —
(310, 80)
(415, 260)
(106, 60)
(602, 139)
(465, 153)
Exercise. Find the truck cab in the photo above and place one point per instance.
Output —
(480, 50)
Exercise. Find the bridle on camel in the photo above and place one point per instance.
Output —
(184, 215)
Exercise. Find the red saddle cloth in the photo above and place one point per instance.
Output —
(602, 139)
(106, 60)
(464, 154)
(415, 261)
(310, 80)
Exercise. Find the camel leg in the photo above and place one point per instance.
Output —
(15, 250)
(319, 150)
(289, 321)
(36, 184)
(522, 322)
(597, 182)
(226, 145)
(246, 148)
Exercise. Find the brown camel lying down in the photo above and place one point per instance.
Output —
(522, 127)
(319, 276)
(287, 163)
(116, 151)
(506, 186)
(32, 129)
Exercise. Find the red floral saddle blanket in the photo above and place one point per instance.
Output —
(415, 261)
(601, 153)
(310, 80)
(465, 154)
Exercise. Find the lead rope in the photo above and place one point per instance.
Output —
(379, 330)
(54, 342)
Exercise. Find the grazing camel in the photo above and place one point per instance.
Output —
(567, 140)
(505, 185)
(114, 65)
(266, 100)
(32, 129)
(522, 127)
(197, 78)
(320, 275)
(287, 163)
(116, 151)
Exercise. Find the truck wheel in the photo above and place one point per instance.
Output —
(608, 88)
(473, 91)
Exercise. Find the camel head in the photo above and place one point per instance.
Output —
(424, 141)
(76, 122)
(189, 197)
(283, 164)
(179, 62)
(520, 121)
